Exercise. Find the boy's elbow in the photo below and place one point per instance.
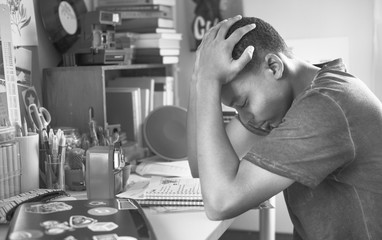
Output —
(218, 209)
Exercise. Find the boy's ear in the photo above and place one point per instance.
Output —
(275, 64)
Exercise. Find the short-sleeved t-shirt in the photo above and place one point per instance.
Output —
(330, 143)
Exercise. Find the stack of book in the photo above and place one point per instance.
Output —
(148, 26)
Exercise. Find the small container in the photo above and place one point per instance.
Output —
(55, 174)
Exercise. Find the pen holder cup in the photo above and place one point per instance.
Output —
(54, 172)
(29, 155)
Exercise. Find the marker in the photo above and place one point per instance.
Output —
(45, 140)
(25, 127)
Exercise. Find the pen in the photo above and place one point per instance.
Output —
(25, 127)
(45, 141)
(61, 147)
(51, 134)
(55, 147)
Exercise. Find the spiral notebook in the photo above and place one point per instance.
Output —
(166, 191)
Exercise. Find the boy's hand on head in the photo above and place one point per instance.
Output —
(214, 60)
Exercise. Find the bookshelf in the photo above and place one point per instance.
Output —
(68, 92)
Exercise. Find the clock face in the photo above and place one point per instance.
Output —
(62, 21)
(68, 17)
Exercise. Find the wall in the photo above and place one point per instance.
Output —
(44, 55)
(294, 19)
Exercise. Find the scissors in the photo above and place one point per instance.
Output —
(39, 116)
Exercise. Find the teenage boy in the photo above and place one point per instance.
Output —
(314, 132)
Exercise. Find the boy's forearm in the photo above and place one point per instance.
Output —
(218, 162)
(191, 132)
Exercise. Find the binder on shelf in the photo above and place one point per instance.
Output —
(164, 91)
(147, 98)
(123, 106)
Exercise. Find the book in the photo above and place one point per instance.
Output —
(156, 52)
(167, 191)
(147, 98)
(143, 7)
(145, 14)
(152, 30)
(123, 106)
(156, 60)
(81, 219)
(176, 36)
(136, 2)
(139, 36)
(164, 91)
(141, 11)
(134, 24)
(155, 165)
(156, 43)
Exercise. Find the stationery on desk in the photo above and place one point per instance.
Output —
(164, 191)
(164, 184)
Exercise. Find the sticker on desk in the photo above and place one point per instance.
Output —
(126, 204)
(78, 221)
(45, 208)
(127, 238)
(54, 231)
(97, 204)
(103, 226)
(102, 211)
(26, 234)
(55, 227)
(106, 237)
(70, 238)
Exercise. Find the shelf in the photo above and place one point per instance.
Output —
(69, 92)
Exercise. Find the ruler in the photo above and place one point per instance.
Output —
(9, 66)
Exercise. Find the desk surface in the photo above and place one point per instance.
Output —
(175, 226)
(186, 226)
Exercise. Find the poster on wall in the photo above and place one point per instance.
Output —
(206, 15)
(23, 22)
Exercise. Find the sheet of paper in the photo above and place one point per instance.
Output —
(135, 187)
(155, 166)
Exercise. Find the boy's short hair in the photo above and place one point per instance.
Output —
(264, 38)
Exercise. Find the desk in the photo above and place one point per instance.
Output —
(189, 225)
(175, 226)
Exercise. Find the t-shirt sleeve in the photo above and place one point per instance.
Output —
(312, 142)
